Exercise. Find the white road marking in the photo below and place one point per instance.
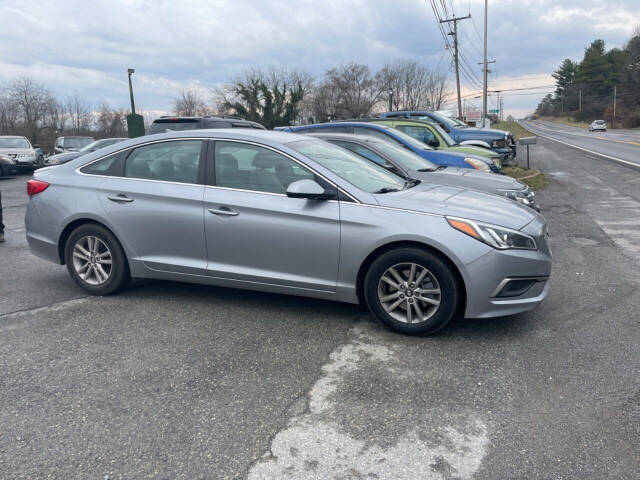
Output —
(315, 446)
(46, 309)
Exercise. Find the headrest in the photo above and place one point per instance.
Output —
(264, 160)
(227, 161)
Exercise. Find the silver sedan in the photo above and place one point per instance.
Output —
(287, 213)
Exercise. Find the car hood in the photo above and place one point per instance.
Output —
(459, 202)
(502, 182)
(486, 132)
(6, 151)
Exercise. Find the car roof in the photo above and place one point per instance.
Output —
(401, 119)
(347, 123)
(348, 136)
(12, 136)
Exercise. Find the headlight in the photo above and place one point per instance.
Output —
(497, 161)
(477, 164)
(500, 238)
(498, 143)
(524, 196)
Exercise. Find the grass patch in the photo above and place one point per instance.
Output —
(532, 177)
(518, 130)
(565, 121)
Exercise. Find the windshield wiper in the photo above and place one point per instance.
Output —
(441, 167)
(387, 190)
(426, 169)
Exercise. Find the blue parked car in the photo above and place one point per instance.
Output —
(500, 141)
(439, 157)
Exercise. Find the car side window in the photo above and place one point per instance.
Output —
(363, 152)
(375, 133)
(420, 133)
(111, 165)
(173, 161)
(250, 167)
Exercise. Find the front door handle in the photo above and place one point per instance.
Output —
(223, 211)
(120, 198)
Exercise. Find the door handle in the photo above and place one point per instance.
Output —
(223, 211)
(120, 198)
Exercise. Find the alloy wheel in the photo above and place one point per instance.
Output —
(409, 293)
(92, 260)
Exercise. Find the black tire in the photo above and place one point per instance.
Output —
(119, 269)
(439, 270)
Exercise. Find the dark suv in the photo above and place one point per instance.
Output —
(162, 124)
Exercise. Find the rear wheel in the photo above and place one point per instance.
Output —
(411, 291)
(95, 260)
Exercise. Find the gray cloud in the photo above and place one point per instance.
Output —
(87, 46)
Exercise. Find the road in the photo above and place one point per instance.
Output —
(618, 145)
(173, 381)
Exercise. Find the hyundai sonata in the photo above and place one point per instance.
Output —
(287, 213)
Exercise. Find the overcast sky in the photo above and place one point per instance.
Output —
(87, 46)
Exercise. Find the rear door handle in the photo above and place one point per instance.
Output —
(223, 211)
(120, 198)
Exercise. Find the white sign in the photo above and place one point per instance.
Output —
(473, 116)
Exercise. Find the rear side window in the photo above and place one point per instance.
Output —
(111, 165)
(174, 161)
(419, 133)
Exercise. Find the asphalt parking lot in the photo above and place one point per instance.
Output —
(176, 381)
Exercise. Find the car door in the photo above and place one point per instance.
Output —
(156, 204)
(255, 233)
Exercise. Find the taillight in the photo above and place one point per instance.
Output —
(36, 186)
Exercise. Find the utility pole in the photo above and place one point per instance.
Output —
(130, 72)
(455, 21)
(613, 120)
(580, 100)
(484, 83)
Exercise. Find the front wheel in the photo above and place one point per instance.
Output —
(411, 291)
(95, 260)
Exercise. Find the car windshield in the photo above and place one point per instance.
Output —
(404, 157)
(447, 138)
(77, 142)
(362, 173)
(442, 119)
(15, 142)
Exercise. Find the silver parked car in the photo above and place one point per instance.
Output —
(287, 213)
(409, 165)
(20, 151)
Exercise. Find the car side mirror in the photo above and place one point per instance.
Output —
(433, 143)
(309, 189)
(36, 146)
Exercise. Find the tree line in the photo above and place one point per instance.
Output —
(281, 96)
(31, 109)
(271, 96)
(585, 89)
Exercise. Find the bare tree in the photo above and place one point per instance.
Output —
(8, 116)
(414, 85)
(78, 114)
(32, 101)
(357, 90)
(110, 123)
(189, 103)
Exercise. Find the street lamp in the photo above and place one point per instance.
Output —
(131, 71)
(391, 100)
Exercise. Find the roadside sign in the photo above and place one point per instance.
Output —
(494, 110)
(473, 116)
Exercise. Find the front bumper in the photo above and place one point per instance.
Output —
(9, 169)
(486, 278)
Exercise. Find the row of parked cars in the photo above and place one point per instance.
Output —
(393, 212)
